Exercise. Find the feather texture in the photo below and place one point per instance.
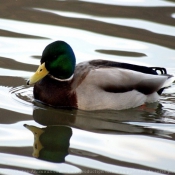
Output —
(118, 88)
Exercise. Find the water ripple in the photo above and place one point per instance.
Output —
(136, 23)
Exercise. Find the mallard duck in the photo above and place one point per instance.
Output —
(95, 84)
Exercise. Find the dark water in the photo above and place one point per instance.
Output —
(135, 141)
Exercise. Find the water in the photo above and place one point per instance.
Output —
(134, 141)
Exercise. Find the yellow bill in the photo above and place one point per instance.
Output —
(38, 75)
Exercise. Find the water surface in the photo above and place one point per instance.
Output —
(134, 141)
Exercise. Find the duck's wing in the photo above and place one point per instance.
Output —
(138, 68)
(109, 85)
(123, 80)
(122, 77)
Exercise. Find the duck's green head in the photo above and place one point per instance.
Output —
(58, 60)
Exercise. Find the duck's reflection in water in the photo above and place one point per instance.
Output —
(102, 121)
(51, 143)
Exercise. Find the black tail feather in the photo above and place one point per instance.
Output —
(160, 91)
(162, 70)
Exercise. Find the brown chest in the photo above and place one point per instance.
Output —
(55, 93)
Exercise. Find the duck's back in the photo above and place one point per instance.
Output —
(112, 85)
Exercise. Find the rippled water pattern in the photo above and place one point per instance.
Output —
(135, 141)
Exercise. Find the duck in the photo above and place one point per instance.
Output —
(94, 84)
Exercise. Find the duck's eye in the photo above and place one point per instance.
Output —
(40, 70)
